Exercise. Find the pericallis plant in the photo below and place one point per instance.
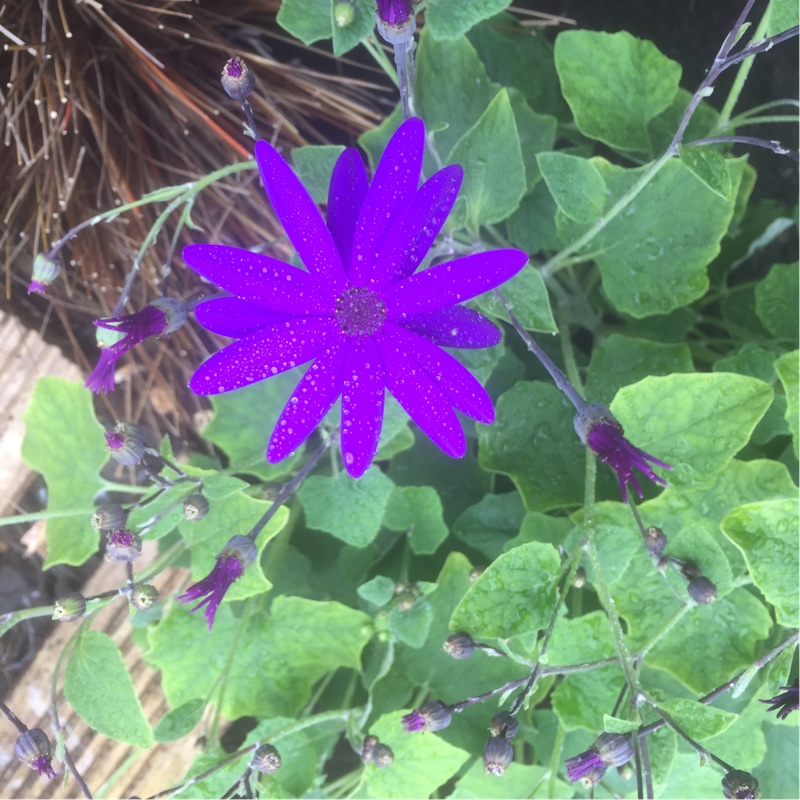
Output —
(416, 580)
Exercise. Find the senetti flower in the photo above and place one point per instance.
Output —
(597, 427)
(360, 310)
(164, 315)
(239, 553)
(786, 702)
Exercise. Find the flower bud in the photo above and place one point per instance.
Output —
(396, 21)
(108, 516)
(144, 596)
(266, 759)
(655, 540)
(504, 725)
(383, 756)
(614, 749)
(702, 590)
(459, 645)
(474, 574)
(431, 716)
(740, 785)
(195, 506)
(689, 569)
(368, 747)
(125, 444)
(123, 545)
(33, 748)
(343, 13)
(70, 607)
(45, 270)
(579, 579)
(497, 755)
(406, 601)
(237, 79)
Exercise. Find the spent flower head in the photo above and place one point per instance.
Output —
(237, 555)
(609, 750)
(161, 316)
(431, 716)
(599, 430)
(45, 270)
(786, 702)
(740, 785)
(497, 755)
(361, 311)
(237, 79)
(125, 444)
(33, 748)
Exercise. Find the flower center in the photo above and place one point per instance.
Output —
(360, 312)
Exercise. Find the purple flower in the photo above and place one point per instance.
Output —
(597, 428)
(164, 315)
(413, 722)
(784, 703)
(45, 270)
(431, 716)
(238, 554)
(609, 750)
(33, 748)
(395, 12)
(362, 312)
(583, 764)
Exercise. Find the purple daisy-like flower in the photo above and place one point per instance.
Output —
(361, 311)
(163, 315)
(237, 555)
(786, 702)
(597, 427)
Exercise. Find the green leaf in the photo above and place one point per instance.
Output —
(64, 442)
(161, 515)
(98, 687)
(363, 25)
(519, 780)
(418, 510)
(743, 743)
(179, 722)
(538, 527)
(304, 640)
(787, 367)
(696, 423)
(378, 591)
(314, 166)
(308, 20)
(532, 226)
(699, 721)
(776, 301)
(622, 360)
(421, 763)
(450, 107)
(709, 167)
(694, 543)
(581, 699)
(494, 173)
(615, 84)
(582, 639)
(782, 15)
(411, 625)
(351, 510)
(449, 19)
(537, 134)
(646, 267)
(617, 725)
(528, 297)
(766, 533)
(243, 421)
(533, 441)
(490, 523)
(576, 185)
(513, 596)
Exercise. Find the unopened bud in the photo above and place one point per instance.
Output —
(195, 506)
(689, 569)
(125, 444)
(579, 579)
(144, 596)
(33, 748)
(70, 607)
(702, 590)
(266, 759)
(237, 79)
(343, 13)
(396, 21)
(475, 573)
(497, 755)
(123, 545)
(45, 270)
(431, 716)
(406, 601)
(459, 645)
(655, 540)
(383, 756)
(504, 725)
(108, 516)
(368, 747)
(740, 785)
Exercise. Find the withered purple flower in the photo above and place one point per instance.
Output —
(431, 716)
(598, 429)
(45, 270)
(786, 702)
(609, 750)
(361, 311)
(237, 555)
(33, 748)
(162, 316)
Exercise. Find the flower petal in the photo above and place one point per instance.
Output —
(452, 282)
(310, 402)
(456, 326)
(264, 354)
(346, 193)
(422, 399)
(363, 394)
(230, 316)
(411, 235)
(454, 380)
(396, 179)
(300, 217)
(260, 279)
